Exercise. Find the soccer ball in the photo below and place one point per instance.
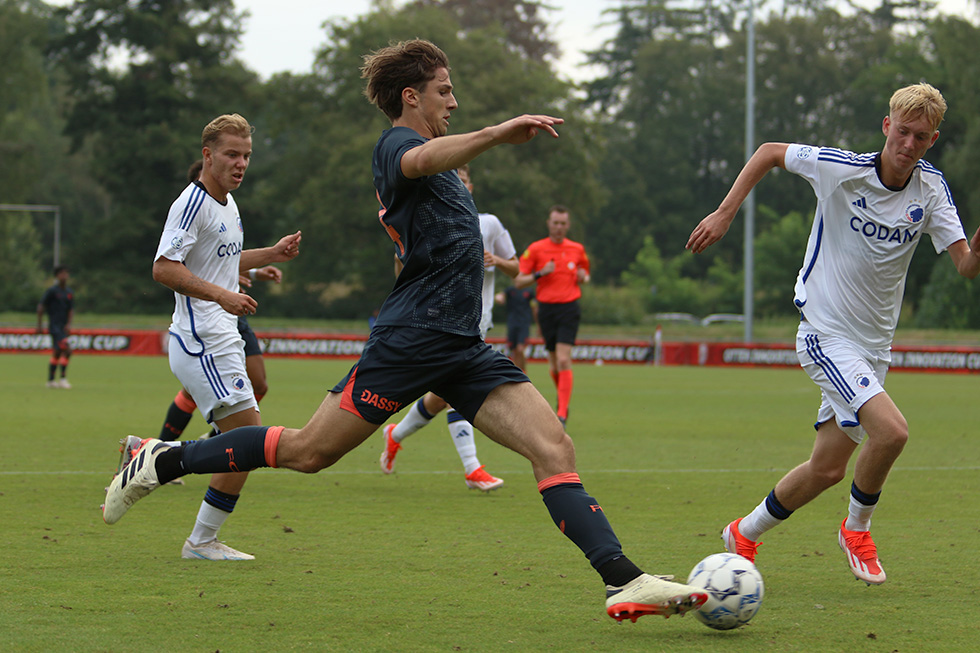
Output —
(734, 589)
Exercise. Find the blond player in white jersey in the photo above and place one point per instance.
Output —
(200, 257)
(872, 211)
(498, 252)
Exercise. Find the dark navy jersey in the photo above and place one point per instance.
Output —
(519, 306)
(436, 230)
(58, 302)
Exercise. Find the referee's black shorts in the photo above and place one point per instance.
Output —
(559, 323)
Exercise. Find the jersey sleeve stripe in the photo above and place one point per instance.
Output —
(833, 155)
(194, 204)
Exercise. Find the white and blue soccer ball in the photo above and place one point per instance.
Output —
(734, 587)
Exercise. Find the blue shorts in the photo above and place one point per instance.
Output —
(400, 364)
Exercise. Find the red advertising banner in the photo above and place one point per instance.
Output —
(87, 341)
(315, 345)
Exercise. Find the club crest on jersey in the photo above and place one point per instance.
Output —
(240, 227)
(177, 242)
(804, 152)
(238, 382)
(862, 381)
(914, 213)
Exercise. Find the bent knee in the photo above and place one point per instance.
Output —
(829, 476)
(556, 452)
(310, 463)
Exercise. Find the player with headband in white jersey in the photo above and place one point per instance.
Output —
(872, 211)
(200, 257)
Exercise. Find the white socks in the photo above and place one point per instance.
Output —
(209, 520)
(411, 423)
(462, 434)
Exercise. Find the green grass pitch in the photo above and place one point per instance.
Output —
(352, 560)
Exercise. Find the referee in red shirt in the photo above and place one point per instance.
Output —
(559, 266)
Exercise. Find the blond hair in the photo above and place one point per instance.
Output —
(401, 65)
(228, 123)
(919, 100)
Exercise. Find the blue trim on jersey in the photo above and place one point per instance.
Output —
(843, 157)
(187, 351)
(194, 204)
(927, 167)
(816, 250)
(828, 367)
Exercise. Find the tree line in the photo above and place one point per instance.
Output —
(103, 104)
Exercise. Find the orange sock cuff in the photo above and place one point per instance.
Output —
(272, 443)
(558, 479)
(185, 402)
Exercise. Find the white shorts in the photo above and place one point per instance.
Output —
(848, 376)
(217, 381)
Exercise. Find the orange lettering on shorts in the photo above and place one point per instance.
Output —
(379, 402)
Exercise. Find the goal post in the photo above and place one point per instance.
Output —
(42, 208)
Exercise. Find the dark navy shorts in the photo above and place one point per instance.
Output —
(59, 339)
(252, 347)
(517, 334)
(400, 364)
(559, 323)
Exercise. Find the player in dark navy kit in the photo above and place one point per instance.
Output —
(427, 337)
(521, 314)
(58, 302)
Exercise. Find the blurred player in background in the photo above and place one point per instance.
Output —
(427, 337)
(58, 302)
(522, 312)
(872, 210)
(498, 253)
(560, 266)
(200, 257)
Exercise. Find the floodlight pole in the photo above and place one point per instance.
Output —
(42, 208)
(749, 205)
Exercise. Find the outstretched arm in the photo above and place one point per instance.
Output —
(966, 257)
(285, 250)
(450, 152)
(712, 228)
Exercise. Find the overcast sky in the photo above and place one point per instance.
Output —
(283, 35)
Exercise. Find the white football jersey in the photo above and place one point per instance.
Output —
(207, 237)
(497, 241)
(862, 240)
